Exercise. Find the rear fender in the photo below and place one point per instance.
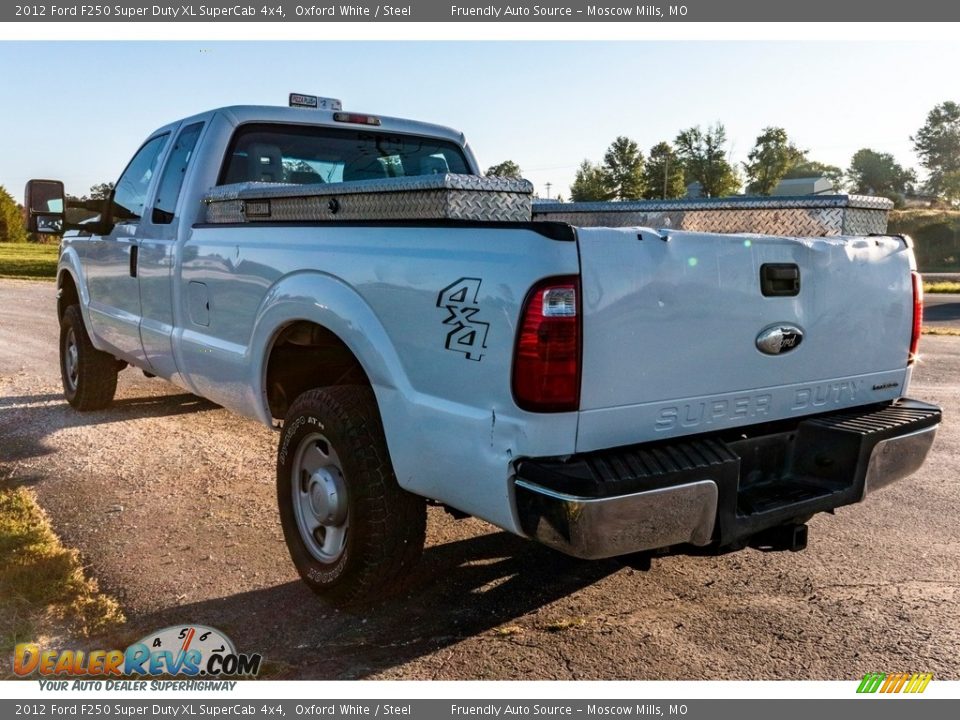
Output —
(331, 303)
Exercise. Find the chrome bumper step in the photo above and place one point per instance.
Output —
(719, 491)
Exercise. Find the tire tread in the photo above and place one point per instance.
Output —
(394, 519)
(97, 371)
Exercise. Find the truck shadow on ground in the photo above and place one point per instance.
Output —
(942, 313)
(462, 589)
(26, 421)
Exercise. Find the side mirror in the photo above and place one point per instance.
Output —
(44, 206)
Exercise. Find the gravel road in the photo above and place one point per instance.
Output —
(170, 500)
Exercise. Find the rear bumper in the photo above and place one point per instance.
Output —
(718, 491)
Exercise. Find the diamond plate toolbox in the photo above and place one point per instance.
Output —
(800, 216)
(428, 197)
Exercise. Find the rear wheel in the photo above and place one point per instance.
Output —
(89, 376)
(352, 532)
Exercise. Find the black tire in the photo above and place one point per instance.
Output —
(385, 526)
(89, 376)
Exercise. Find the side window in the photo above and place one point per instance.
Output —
(171, 181)
(130, 194)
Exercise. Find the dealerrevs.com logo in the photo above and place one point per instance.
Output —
(182, 650)
(887, 683)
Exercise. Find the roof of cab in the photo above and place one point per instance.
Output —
(268, 113)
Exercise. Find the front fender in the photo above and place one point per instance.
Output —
(71, 264)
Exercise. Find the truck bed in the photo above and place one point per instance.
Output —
(493, 199)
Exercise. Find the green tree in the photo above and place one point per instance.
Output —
(11, 219)
(100, 191)
(772, 156)
(812, 168)
(663, 174)
(876, 173)
(938, 145)
(951, 186)
(704, 157)
(590, 184)
(506, 169)
(623, 167)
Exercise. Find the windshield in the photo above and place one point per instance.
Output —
(306, 155)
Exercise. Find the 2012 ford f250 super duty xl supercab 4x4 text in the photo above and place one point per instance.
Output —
(429, 335)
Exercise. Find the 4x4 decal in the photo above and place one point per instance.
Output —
(467, 335)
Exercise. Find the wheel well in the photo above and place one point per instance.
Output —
(306, 356)
(67, 295)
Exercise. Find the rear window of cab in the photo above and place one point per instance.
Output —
(308, 155)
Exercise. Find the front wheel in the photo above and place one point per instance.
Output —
(353, 533)
(89, 375)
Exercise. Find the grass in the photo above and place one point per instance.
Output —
(565, 624)
(28, 260)
(936, 330)
(42, 583)
(941, 287)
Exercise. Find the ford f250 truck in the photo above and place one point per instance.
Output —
(421, 336)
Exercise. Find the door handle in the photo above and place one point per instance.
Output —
(134, 256)
(780, 279)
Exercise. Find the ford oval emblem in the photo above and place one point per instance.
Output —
(779, 339)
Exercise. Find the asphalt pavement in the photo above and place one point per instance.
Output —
(942, 310)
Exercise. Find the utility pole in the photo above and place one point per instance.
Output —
(666, 171)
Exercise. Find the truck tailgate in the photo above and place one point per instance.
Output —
(672, 324)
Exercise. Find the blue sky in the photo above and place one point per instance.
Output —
(78, 110)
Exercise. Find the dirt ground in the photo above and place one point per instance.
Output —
(170, 500)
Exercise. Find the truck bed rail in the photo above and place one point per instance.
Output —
(799, 216)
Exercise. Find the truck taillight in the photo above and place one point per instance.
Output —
(917, 316)
(356, 118)
(546, 366)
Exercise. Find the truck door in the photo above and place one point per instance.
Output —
(111, 260)
(157, 239)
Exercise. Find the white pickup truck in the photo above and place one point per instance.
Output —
(422, 337)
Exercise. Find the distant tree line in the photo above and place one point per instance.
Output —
(12, 228)
(701, 155)
(100, 191)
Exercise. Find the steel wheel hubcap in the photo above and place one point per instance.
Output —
(320, 498)
(71, 358)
